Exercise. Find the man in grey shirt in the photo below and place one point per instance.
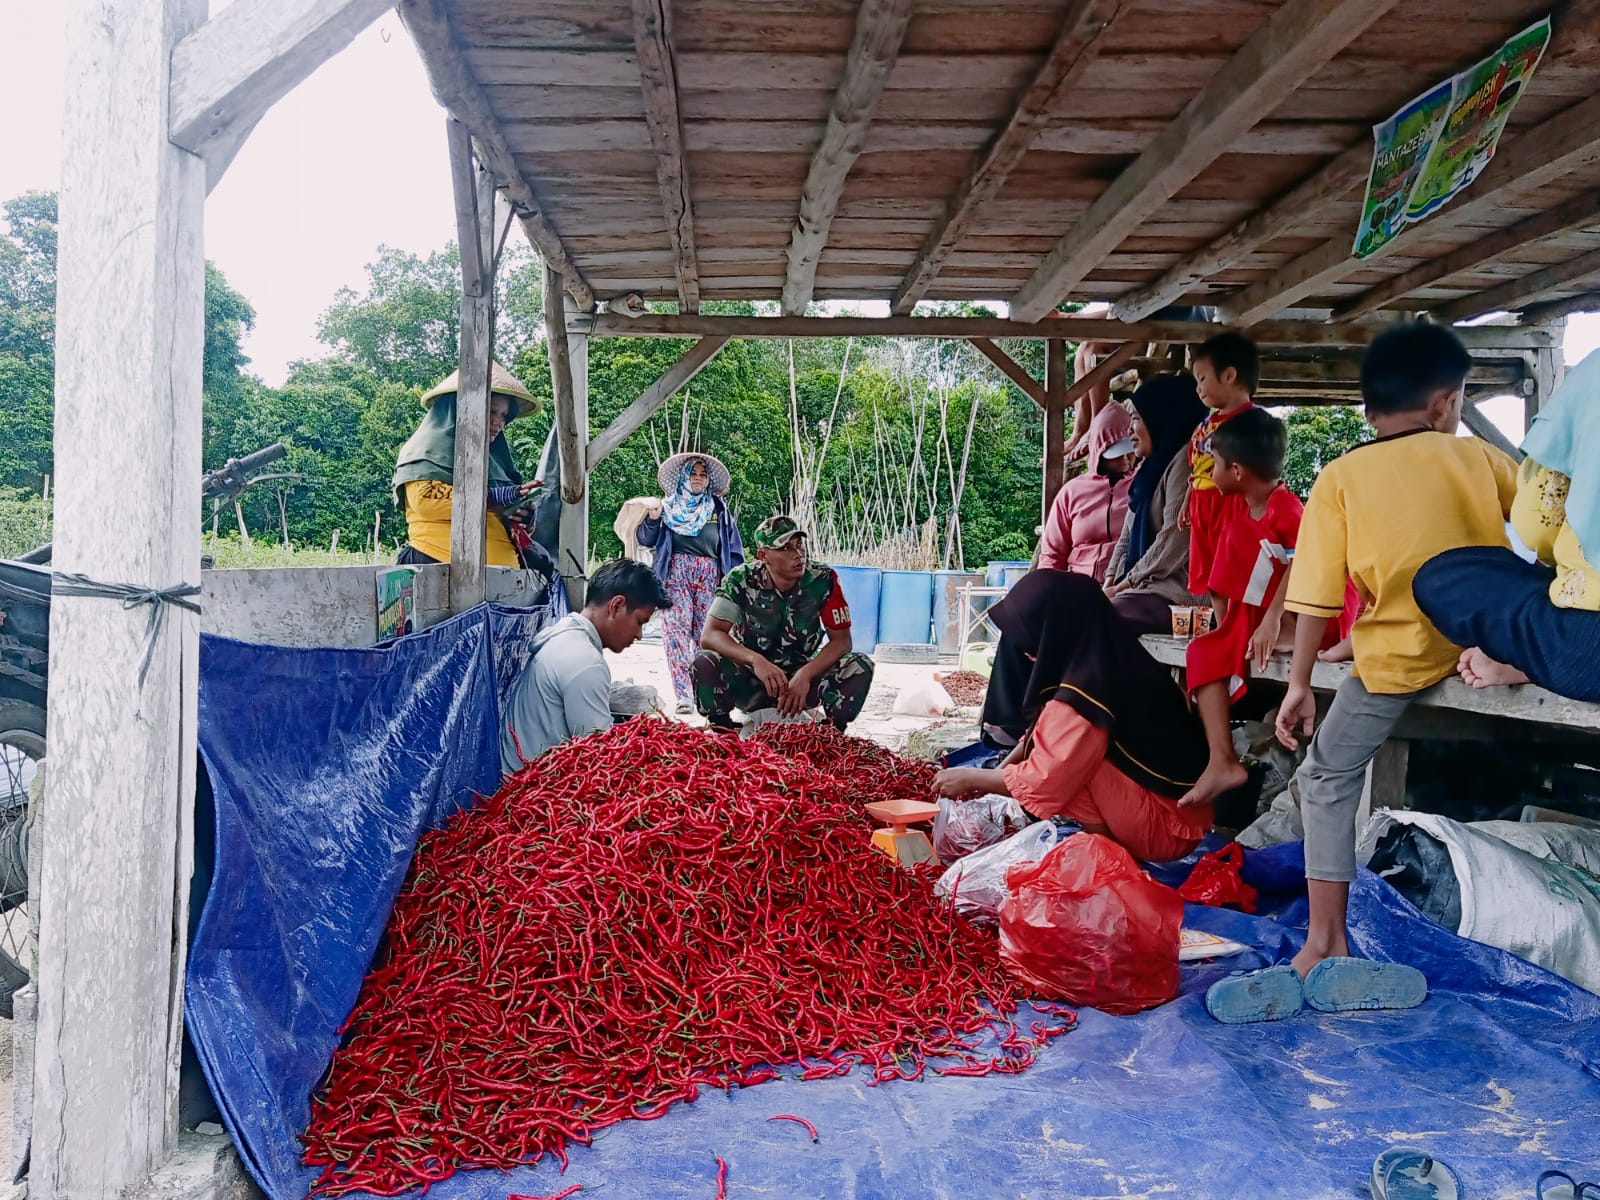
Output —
(565, 690)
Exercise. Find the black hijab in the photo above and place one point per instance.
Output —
(1170, 408)
(1084, 655)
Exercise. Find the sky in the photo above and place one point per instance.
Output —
(351, 160)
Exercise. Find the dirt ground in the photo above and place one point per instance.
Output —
(646, 663)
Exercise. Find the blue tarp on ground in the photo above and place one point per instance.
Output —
(328, 764)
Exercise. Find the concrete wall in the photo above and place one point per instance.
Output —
(334, 606)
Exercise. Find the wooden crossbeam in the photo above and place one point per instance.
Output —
(1556, 310)
(1011, 369)
(1294, 208)
(1076, 329)
(1576, 213)
(228, 72)
(645, 405)
(1472, 417)
(1510, 295)
(1298, 38)
(1083, 31)
(454, 86)
(1538, 156)
(880, 28)
(658, 74)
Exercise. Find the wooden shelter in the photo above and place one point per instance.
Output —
(1145, 153)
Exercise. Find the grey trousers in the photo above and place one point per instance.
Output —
(1334, 772)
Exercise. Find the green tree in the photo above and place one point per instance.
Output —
(1317, 436)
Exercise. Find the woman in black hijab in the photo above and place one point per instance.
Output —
(1149, 569)
(1110, 740)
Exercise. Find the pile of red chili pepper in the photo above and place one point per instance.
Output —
(639, 914)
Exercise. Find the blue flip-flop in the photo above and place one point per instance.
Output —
(1406, 1173)
(1249, 997)
(1352, 984)
(1558, 1185)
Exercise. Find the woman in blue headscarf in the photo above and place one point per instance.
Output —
(696, 543)
(1534, 622)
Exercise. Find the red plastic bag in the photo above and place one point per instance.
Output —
(1084, 924)
(1215, 880)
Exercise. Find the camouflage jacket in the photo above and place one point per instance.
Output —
(784, 627)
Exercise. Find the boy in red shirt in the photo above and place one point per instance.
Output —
(1227, 368)
(1246, 582)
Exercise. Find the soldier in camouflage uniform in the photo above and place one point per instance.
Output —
(778, 636)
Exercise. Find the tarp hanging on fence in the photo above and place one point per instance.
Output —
(328, 764)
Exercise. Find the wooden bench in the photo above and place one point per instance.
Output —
(1450, 709)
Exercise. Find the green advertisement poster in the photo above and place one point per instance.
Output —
(1439, 142)
(396, 602)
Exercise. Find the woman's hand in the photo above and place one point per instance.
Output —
(958, 783)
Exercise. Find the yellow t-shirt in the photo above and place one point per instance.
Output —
(1378, 513)
(1539, 516)
(428, 525)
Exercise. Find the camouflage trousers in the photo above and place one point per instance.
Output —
(721, 685)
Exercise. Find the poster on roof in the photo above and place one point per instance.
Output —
(1436, 144)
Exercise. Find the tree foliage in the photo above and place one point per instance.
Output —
(1317, 436)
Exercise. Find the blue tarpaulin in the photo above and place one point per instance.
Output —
(327, 765)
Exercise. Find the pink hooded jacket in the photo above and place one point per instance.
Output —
(1086, 518)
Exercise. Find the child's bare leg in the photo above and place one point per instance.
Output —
(1341, 651)
(1326, 934)
(1223, 768)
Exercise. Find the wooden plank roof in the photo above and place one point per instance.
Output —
(754, 82)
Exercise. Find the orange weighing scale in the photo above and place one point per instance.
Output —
(896, 838)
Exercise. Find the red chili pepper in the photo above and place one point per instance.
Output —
(810, 1128)
(601, 939)
(722, 1179)
(561, 1195)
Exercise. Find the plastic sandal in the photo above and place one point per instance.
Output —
(1249, 997)
(1406, 1173)
(1558, 1185)
(1352, 984)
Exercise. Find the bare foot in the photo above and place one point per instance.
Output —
(1340, 651)
(1310, 956)
(1218, 777)
(1481, 671)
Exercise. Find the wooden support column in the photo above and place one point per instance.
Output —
(1055, 420)
(115, 873)
(474, 197)
(1548, 369)
(569, 381)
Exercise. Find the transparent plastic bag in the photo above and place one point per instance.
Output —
(966, 826)
(1084, 924)
(978, 881)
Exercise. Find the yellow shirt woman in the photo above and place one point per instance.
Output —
(428, 503)
(1539, 515)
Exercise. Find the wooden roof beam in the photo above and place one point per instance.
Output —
(1539, 155)
(1283, 216)
(880, 28)
(1301, 334)
(1559, 310)
(658, 74)
(1509, 296)
(1577, 213)
(1299, 37)
(228, 72)
(1012, 370)
(455, 87)
(647, 402)
(1082, 33)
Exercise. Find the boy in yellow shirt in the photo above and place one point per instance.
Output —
(1376, 514)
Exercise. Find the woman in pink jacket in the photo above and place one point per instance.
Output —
(1086, 518)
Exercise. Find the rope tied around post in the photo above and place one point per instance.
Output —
(132, 596)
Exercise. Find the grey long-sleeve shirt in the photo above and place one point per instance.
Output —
(563, 692)
(1164, 569)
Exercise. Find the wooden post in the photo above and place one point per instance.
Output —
(569, 381)
(120, 791)
(1548, 367)
(470, 490)
(1055, 420)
